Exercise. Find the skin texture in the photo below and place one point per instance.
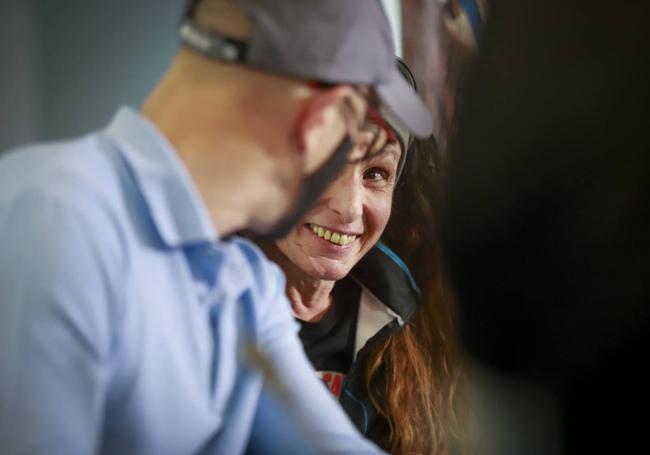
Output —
(358, 202)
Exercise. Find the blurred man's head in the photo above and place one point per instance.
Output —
(281, 87)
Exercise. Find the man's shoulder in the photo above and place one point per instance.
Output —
(65, 187)
(73, 172)
(54, 210)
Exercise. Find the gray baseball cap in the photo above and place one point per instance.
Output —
(332, 41)
(402, 133)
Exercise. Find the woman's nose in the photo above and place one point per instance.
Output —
(345, 196)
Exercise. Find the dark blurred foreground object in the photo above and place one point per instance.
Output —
(547, 226)
(440, 37)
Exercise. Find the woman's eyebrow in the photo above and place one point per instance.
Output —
(388, 150)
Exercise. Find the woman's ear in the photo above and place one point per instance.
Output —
(323, 122)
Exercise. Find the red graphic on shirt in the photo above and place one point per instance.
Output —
(333, 380)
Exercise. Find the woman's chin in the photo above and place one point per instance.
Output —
(328, 271)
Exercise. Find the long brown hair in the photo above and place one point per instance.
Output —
(422, 361)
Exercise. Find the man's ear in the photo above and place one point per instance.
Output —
(321, 125)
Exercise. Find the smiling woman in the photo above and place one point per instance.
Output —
(347, 295)
(355, 299)
(341, 228)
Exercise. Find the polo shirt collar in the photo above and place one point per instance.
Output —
(173, 201)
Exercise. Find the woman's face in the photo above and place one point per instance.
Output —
(347, 220)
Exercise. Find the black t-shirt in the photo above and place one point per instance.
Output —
(329, 343)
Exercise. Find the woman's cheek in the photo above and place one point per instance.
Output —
(379, 213)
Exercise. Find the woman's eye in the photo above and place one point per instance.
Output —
(376, 175)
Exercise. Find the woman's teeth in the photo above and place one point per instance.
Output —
(334, 237)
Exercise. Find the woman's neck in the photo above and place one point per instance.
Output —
(310, 297)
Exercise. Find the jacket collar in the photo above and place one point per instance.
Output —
(386, 276)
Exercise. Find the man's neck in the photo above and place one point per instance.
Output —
(224, 165)
(231, 126)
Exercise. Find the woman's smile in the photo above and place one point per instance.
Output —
(328, 243)
(331, 235)
(347, 220)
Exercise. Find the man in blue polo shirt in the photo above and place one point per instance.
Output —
(131, 319)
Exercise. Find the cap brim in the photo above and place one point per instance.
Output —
(405, 103)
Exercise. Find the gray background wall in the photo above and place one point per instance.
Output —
(66, 65)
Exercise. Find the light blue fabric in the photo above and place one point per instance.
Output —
(124, 318)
